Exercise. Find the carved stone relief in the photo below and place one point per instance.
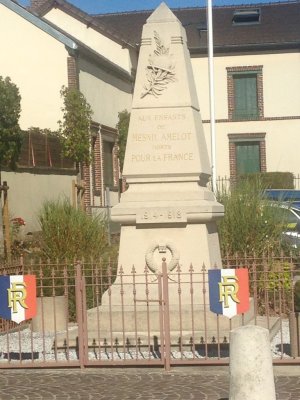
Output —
(160, 70)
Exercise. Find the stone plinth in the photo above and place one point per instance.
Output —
(51, 314)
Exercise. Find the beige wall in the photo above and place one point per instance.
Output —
(87, 35)
(106, 93)
(282, 143)
(28, 191)
(281, 75)
(37, 64)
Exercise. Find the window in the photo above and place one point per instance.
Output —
(247, 157)
(96, 157)
(108, 167)
(247, 154)
(246, 17)
(108, 160)
(245, 96)
(245, 93)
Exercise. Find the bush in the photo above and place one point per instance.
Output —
(69, 233)
(249, 225)
(271, 180)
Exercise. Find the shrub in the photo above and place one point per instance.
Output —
(250, 224)
(69, 233)
(271, 180)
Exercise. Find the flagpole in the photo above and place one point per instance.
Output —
(211, 94)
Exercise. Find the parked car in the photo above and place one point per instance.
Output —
(290, 214)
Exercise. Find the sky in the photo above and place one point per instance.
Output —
(111, 6)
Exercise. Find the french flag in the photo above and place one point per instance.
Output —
(17, 297)
(229, 291)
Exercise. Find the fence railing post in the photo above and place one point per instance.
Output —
(79, 314)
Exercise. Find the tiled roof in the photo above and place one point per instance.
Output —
(279, 26)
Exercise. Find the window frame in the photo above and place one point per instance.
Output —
(235, 139)
(240, 16)
(233, 72)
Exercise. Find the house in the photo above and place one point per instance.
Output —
(257, 80)
(40, 58)
(257, 75)
(256, 65)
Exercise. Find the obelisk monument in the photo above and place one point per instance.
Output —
(167, 204)
(167, 211)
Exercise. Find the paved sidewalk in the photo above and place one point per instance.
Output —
(201, 383)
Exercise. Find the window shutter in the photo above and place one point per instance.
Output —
(251, 95)
(247, 158)
(108, 172)
(245, 96)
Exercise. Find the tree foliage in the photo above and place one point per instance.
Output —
(122, 126)
(10, 132)
(74, 129)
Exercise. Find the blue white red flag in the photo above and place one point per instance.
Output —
(17, 297)
(228, 291)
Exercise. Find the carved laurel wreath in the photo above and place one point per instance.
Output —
(150, 259)
(160, 71)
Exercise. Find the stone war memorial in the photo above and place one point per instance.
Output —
(166, 162)
(167, 212)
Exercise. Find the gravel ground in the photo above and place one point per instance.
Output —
(33, 345)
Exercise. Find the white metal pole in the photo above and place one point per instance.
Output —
(211, 94)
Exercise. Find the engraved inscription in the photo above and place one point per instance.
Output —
(153, 137)
(145, 137)
(162, 117)
(165, 141)
(142, 157)
(161, 215)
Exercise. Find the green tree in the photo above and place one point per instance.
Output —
(10, 132)
(122, 126)
(74, 129)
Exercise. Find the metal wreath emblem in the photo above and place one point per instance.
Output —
(150, 257)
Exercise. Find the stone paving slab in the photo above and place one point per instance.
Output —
(133, 384)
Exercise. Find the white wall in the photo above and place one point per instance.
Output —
(37, 64)
(87, 35)
(106, 93)
(28, 191)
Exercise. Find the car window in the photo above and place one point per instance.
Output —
(288, 218)
(297, 212)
